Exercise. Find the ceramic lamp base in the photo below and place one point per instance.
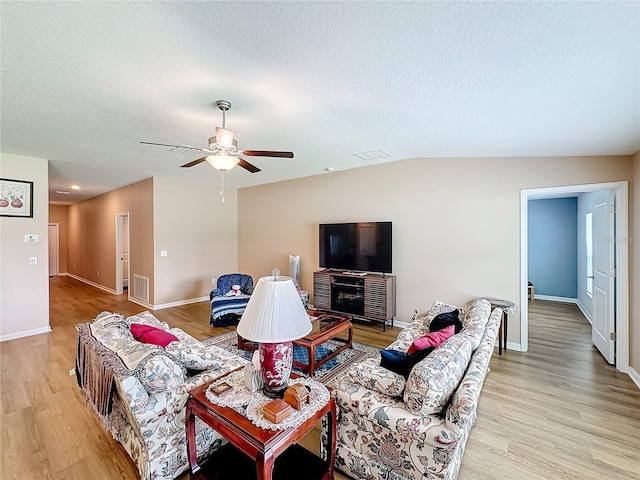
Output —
(276, 360)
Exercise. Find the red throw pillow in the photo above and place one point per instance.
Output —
(432, 340)
(149, 334)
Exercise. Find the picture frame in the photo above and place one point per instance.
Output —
(16, 198)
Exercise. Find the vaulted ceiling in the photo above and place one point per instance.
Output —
(84, 82)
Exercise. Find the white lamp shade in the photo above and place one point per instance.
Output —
(224, 137)
(222, 162)
(274, 313)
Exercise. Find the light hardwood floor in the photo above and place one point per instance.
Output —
(556, 412)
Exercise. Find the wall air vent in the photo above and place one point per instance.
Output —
(141, 288)
(372, 155)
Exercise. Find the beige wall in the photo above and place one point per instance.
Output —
(456, 222)
(634, 255)
(59, 214)
(92, 235)
(199, 233)
(24, 288)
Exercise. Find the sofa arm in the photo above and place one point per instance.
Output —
(461, 413)
(390, 413)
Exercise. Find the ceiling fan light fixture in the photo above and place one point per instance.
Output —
(224, 137)
(222, 162)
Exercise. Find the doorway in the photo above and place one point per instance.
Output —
(618, 301)
(54, 249)
(122, 253)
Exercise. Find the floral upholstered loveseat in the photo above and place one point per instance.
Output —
(398, 429)
(140, 390)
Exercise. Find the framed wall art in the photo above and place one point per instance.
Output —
(16, 198)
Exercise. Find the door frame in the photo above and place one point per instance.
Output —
(57, 250)
(621, 254)
(119, 249)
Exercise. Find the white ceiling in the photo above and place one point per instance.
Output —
(84, 82)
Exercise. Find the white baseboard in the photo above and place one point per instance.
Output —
(93, 284)
(26, 333)
(635, 376)
(141, 303)
(552, 298)
(398, 324)
(178, 303)
(584, 311)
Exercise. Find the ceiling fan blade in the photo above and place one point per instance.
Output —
(247, 166)
(195, 162)
(267, 153)
(185, 148)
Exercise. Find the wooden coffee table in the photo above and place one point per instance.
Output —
(253, 452)
(325, 327)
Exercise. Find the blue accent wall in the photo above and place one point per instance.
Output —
(553, 243)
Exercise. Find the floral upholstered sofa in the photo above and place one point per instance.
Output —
(140, 390)
(398, 429)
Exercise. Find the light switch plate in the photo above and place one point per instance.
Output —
(163, 253)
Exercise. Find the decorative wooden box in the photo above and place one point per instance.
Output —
(276, 410)
(296, 395)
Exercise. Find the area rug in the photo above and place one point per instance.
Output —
(329, 374)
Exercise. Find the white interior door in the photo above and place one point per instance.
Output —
(125, 252)
(54, 250)
(122, 252)
(603, 278)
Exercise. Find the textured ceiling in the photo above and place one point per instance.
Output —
(84, 82)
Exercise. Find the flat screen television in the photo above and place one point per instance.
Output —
(364, 246)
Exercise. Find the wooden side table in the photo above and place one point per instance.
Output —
(506, 307)
(260, 445)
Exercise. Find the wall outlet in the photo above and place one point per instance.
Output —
(213, 280)
(33, 260)
(163, 253)
(72, 372)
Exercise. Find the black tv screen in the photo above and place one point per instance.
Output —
(364, 246)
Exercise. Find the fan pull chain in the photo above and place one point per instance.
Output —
(222, 185)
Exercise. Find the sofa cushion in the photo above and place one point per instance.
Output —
(192, 356)
(375, 377)
(153, 335)
(159, 373)
(146, 318)
(433, 339)
(432, 381)
(109, 328)
(419, 325)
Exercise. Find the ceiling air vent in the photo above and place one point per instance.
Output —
(372, 155)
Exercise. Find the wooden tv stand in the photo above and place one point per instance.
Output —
(370, 297)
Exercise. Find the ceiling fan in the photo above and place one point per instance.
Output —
(223, 153)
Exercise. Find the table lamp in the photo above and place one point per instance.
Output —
(274, 317)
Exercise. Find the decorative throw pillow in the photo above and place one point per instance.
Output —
(401, 362)
(148, 334)
(443, 320)
(159, 374)
(192, 356)
(432, 339)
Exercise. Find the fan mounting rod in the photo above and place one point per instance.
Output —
(224, 106)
